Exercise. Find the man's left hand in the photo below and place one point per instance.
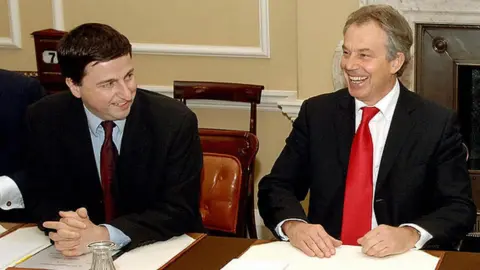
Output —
(74, 232)
(387, 240)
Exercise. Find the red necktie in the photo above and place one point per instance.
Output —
(108, 156)
(357, 206)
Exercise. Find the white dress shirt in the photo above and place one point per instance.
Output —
(379, 127)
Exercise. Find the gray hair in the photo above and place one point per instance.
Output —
(399, 33)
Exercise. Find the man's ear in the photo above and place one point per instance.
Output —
(397, 63)
(74, 88)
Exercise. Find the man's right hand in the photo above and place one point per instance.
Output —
(312, 239)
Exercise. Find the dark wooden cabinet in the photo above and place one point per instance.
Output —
(447, 71)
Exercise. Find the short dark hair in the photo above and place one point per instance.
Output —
(87, 43)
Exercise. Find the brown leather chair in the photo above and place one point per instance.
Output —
(221, 194)
(242, 144)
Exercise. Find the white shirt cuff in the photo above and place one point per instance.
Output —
(279, 230)
(118, 237)
(424, 235)
(10, 195)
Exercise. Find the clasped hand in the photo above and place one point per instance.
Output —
(74, 231)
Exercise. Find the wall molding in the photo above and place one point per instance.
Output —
(262, 51)
(291, 107)
(15, 39)
(270, 99)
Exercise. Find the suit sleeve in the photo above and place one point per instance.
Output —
(33, 91)
(38, 178)
(454, 211)
(281, 191)
(176, 210)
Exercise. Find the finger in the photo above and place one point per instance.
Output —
(384, 252)
(54, 236)
(336, 242)
(328, 244)
(373, 233)
(75, 223)
(375, 248)
(369, 243)
(304, 247)
(68, 234)
(54, 225)
(68, 214)
(320, 243)
(72, 252)
(66, 245)
(318, 247)
(82, 212)
(60, 236)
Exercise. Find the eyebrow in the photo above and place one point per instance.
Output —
(114, 80)
(359, 50)
(129, 72)
(106, 81)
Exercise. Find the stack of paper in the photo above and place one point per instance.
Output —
(21, 244)
(346, 257)
(154, 256)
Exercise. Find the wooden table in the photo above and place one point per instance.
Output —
(10, 227)
(212, 253)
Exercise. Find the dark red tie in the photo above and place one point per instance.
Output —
(357, 205)
(108, 156)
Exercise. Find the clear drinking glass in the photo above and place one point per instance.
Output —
(102, 255)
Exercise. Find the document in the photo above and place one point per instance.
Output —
(52, 259)
(346, 257)
(153, 256)
(2, 229)
(20, 245)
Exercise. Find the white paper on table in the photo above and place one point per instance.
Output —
(153, 256)
(2, 229)
(242, 264)
(21, 243)
(52, 259)
(346, 257)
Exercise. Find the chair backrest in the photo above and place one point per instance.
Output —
(221, 194)
(240, 144)
(236, 92)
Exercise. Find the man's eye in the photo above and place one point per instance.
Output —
(107, 85)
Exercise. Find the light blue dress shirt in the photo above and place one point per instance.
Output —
(97, 134)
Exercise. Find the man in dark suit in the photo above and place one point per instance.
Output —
(108, 153)
(16, 93)
(385, 168)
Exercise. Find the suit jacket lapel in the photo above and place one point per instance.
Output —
(402, 124)
(345, 129)
(136, 145)
(79, 144)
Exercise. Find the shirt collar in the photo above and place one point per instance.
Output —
(386, 105)
(94, 122)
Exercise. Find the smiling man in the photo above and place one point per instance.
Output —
(385, 168)
(108, 161)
